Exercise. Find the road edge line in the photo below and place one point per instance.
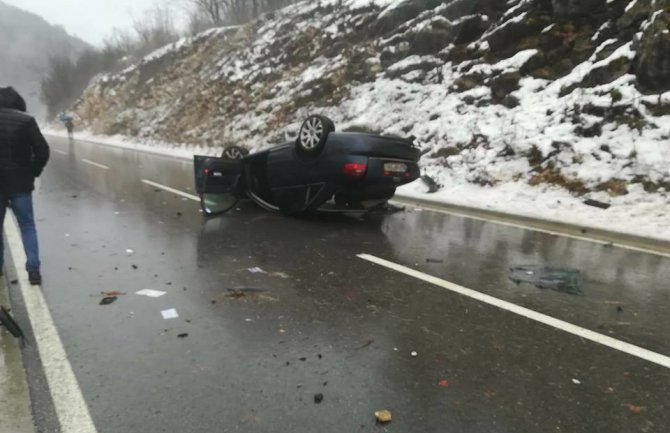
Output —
(553, 322)
(556, 228)
(71, 409)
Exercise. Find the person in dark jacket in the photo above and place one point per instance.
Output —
(23, 154)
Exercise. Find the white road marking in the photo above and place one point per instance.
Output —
(172, 190)
(71, 408)
(88, 161)
(59, 151)
(532, 228)
(613, 343)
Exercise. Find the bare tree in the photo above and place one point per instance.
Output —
(154, 30)
(220, 12)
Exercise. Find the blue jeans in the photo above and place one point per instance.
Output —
(22, 206)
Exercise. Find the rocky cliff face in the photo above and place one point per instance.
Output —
(545, 91)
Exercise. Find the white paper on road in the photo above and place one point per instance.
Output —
(170, 314)
(151, 293)
(257, 270)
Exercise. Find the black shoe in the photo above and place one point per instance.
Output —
(35, 278)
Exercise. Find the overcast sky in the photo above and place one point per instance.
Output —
(90, 20)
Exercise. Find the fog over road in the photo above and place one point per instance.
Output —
(318, 319)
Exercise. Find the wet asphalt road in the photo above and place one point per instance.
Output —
(260, 346)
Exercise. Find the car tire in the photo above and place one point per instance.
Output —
(314, 134)
(234, 152)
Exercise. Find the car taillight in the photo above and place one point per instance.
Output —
(354, 169)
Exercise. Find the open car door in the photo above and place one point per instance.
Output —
(216, 182)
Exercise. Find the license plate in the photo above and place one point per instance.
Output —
(395, 167)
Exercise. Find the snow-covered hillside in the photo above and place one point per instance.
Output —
(524, 96)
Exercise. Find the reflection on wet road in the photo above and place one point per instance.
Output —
(273, 311)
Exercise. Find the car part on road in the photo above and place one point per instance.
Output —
(108, 300)
(544, 277)
(596, 203)
(10, 324)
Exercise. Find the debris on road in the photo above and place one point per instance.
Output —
(169, 314)
(129, 251)
(383, 416)
(633, 408)
(183, 335)
(150, 293)
(544, 277)
(366, 344)
(134, 266)
(444, 383)
(108, 300)
(430, 183)
(414, 354)
(10, 324)
(318, 398)
(256, 270)
(279, 274)
(112, 293)
(576, 382)
(596, 203)
(247, 293)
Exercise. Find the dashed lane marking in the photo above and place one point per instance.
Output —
(71, 408)
(172, 190)
(95, 164)
(587, 334)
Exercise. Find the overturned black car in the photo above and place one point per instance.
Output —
(322, 170)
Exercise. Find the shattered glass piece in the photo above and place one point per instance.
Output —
(562, 280)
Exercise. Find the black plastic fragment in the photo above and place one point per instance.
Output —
(108, 300)
(10, 324)
(596, 203)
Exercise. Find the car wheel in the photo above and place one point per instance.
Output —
(234, 152)
(314, 133)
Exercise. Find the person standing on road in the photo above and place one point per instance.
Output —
(69, 125)
(23, 154)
